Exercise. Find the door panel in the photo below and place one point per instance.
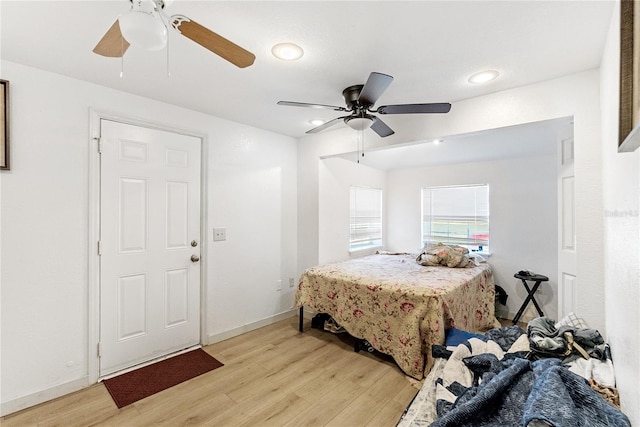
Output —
(177, 291)
(177, 195)
(150, 214)
(132, 221)
(131, 306)
(567, 251)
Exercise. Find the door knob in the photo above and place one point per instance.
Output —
(195, 258)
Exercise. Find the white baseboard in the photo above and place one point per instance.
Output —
(42, 396)
(214, 338)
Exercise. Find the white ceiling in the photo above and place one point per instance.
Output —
(430, 47)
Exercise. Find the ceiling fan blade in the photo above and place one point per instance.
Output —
(441, 107)
(304, 104)
(112, 43)
(215, 43)
(376, 84)
(326, 125)
(381, 128)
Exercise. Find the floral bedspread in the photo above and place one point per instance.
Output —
(399, 306)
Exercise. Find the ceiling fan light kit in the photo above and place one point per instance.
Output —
(359, 100)
(142, 29)
(146, 26)
(359, 123)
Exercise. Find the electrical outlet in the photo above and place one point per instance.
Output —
(219, 234)
(278, 285)
(292, 282)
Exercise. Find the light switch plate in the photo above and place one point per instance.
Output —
(219, 234)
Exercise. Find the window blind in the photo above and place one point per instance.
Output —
(365, 222)
(456, 215)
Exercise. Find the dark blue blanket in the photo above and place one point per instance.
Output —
(516, 391)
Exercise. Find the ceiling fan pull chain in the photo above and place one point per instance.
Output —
(159, 5)
(122, 65)
(168, 68)
(362, 131)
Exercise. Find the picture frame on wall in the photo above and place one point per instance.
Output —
(629, 116)
(4, 124)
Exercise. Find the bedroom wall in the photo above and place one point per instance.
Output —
(621, 249)
(335, 178)
(523, 206)
(575, 95)
(44, 225)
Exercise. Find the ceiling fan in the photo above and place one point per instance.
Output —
(146, 25)
(360, 100)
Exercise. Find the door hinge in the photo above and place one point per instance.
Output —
(99, 350)
(99, 144)
(99, 247)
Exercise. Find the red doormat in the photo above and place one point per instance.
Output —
(128, 388)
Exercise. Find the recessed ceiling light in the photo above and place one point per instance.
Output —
(437, 141)
(287, 51)
(483, 76)
(316, 122)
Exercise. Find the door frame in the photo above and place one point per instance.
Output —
(93, 293)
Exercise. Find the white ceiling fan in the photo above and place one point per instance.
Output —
(145, 25)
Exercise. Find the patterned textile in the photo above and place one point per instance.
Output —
(422, 410)
(400, 307)
(449, 370)
(572, 320)
(447, 255)
(505, 336)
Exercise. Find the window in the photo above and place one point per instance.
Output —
(456, 216)
(365, 219)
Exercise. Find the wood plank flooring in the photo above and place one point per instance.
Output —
(273, 376)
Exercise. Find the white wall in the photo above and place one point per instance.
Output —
(252, 193)
(523, 205)
(336, 176)
(45, 210)
(576, 95)
(621, 249)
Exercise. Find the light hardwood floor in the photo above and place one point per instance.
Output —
(273, 376)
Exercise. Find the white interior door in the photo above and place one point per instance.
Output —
(149, 244)
(567, 251)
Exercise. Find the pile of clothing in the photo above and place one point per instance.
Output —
(554, 374)
(582, 350)
(448, 255)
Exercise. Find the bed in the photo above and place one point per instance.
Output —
(399, 306)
